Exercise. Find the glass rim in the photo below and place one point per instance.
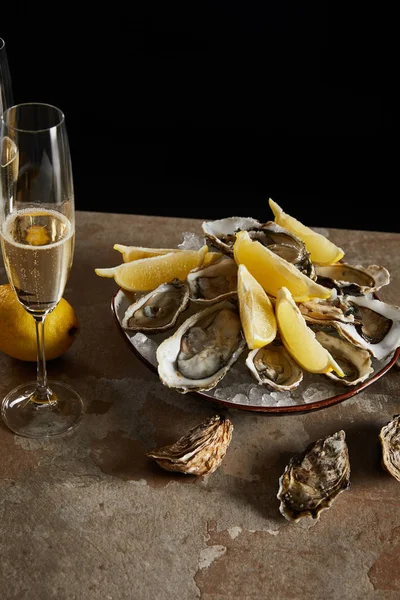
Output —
(58, 111)
(2, 43)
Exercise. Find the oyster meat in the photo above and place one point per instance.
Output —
(352, 279)
(376, 326)
(222, 234)
(355, 362)
(203, 348)
(321, 311)
(285, 244)
(273, 367)
(313, 479)
(389, 438)
(213, 282)
(200, 451)
(159, 309)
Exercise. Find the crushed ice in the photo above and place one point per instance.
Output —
(146, 347)
(191, 241)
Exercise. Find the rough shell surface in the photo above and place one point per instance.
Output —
(313, 479)
(389, 438)
(200, 451)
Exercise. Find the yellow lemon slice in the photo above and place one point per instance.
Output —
(299, 340)
(273, 272)
(322, 251)
(146, 274)
(256, 310)
(130, 253)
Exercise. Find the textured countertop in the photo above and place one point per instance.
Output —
(88, 516)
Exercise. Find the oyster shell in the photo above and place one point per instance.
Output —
(352, 279)
(159, 309)
(285, 244)
(355, 362)
(376, 327)
(322, 311)
(273, 367)
(389, 439)
(222, 234)
(213, 282)
(312, 479)
(200, 451)
(203, 348)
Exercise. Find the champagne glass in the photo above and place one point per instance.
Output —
(6, 94)
(37, 232)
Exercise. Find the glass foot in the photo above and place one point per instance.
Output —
(42, 420)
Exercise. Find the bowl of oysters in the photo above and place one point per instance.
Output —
(263, 316)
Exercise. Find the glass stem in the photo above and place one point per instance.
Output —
(43, 393)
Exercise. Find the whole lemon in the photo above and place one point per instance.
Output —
(18, 330)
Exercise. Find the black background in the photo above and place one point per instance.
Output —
(208, 109)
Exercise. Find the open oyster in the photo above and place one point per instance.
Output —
(285, 244)
(320, 311)
(213, 282)
(376, 326)
(273, 367)
(352, 279)
(312, 479)
(389, 438)
(355, 362)
(203, 348)
(159, 309)
(222, 233)
(200, 451)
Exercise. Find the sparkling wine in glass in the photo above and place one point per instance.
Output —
(37, 232)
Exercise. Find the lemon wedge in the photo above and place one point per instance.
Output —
(136, 252)
(273, 272)
(299, 340)
(322, 251)
(256, 310)
(130, 253)
(146, 274)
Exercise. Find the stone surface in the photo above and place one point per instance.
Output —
(89, 516)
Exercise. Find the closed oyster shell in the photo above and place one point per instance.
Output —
(389, 438)
(312, 479)
(200, 451)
